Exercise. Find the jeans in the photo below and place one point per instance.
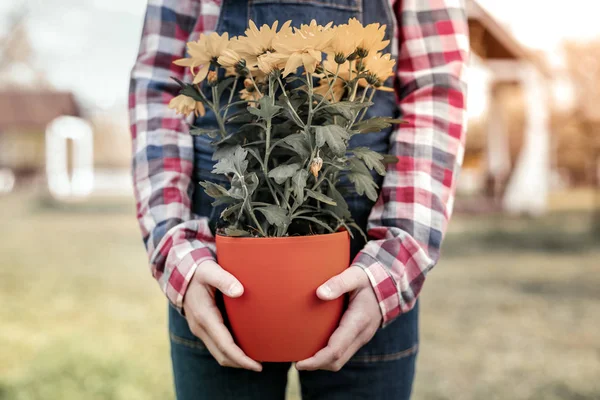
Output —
(383, 369)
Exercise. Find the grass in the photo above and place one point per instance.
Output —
(512, 312)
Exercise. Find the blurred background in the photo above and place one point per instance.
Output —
(511, 312)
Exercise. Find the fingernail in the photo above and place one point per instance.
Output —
(324, 291)
(235, 289)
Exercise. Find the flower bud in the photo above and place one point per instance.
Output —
(372, 79)
(248, 83)
(212, 78)
(360, 66)
(362, 53)
(240, 67)
(340, 58)
(316, 165)
(319, 68)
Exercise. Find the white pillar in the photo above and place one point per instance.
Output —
(527, 190)
(57, 133)
(497, 148)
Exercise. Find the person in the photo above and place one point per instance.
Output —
(372, 354)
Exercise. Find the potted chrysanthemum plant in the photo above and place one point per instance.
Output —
(286, 103)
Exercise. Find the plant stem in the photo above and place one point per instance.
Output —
(310, 99)
(309, 121)
(215, 109)
(254, 83)
(287, 99)
(353, 96)
(231, 96)
(364, 111)
(362, 100)
(248, 201)
(268, 144)
(331, 84)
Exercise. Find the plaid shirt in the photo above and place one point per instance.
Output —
(408, 221)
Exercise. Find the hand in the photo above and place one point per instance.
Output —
(358, 325)
(205, 319)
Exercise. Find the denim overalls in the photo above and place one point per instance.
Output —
(384, 368)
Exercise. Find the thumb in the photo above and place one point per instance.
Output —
(212, 274)
(349, 280)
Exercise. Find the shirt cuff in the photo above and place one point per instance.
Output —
(384, 286)
(182, 274)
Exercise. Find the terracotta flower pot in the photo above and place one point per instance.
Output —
(279, 317)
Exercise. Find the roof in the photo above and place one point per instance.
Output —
(34, 110)
(492, 41)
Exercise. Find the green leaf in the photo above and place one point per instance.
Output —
(321, 197)
(190, 91)
(266, 110)
(223, 200)
(240, 117)
(251, 182)
(283, 172)
(299, 143)
(235, 232)
(275, 215)
(376, 124)
(211, 133)
(364, 184)
(231, 210)
(254, 152)
(341, 208)
(316, 221)
(359, 229)
(362, 179)
(335, 136)
(234, 164)
(243, 190)
(389, 159)
(213, 190)
(224, 151)
(299, 183)
(346, 109)
(371, 158)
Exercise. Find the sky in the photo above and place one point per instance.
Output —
(89, 46)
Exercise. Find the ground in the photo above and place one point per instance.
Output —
(511, 312)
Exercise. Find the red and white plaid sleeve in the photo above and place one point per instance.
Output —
(163, 155)
(408, 221)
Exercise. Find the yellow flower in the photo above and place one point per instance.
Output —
(371, 37)
(229, 58)
(186, 105)
(379, 67)
(344, 42)
(250, 94)
(269, 62)
(202, 52)
(258, 41)
(303, 47)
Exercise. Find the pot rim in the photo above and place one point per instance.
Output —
(281, 240)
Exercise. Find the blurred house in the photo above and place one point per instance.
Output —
(507, 160)
(24, 116)
(29, 103)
